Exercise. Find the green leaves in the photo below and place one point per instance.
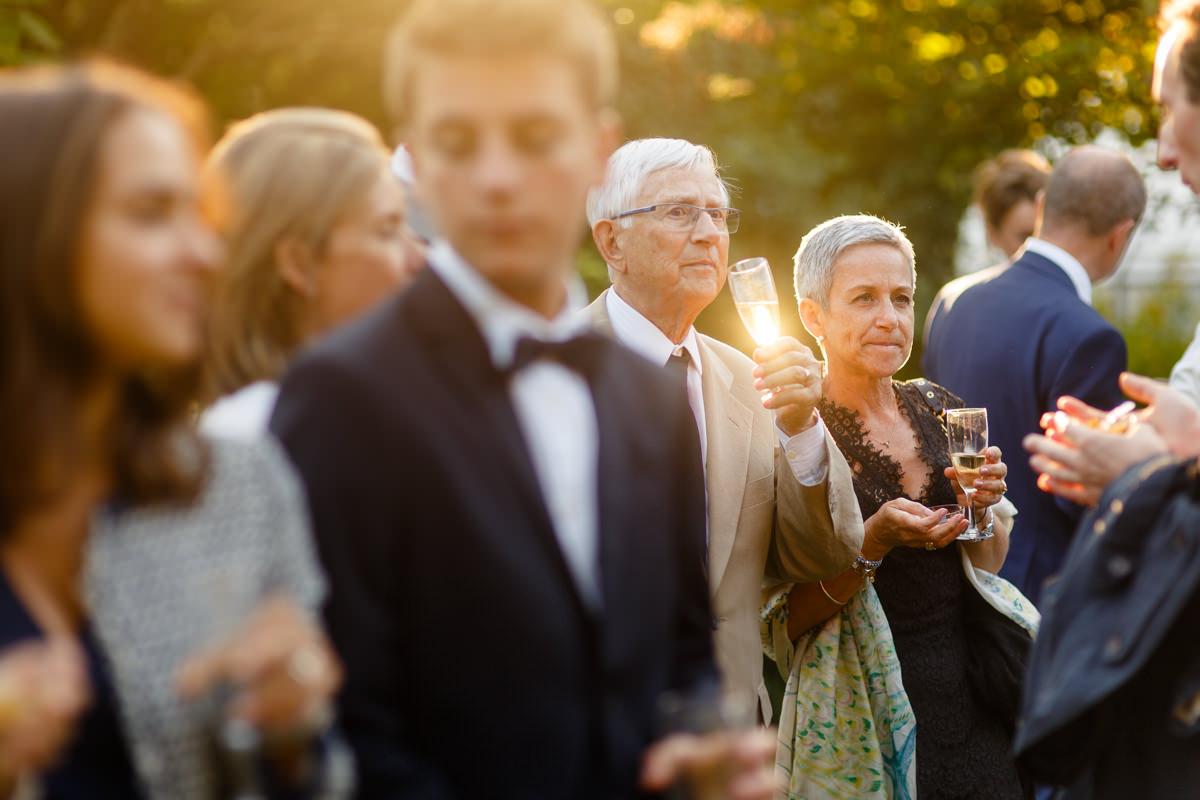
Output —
(24, 33)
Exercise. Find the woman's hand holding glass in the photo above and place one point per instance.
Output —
(990, 486)
(967, 436)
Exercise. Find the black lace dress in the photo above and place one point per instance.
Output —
(962, 752)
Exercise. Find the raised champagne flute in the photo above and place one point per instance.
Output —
(753, 289)
(967, 432)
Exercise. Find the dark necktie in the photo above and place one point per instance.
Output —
(677, 366)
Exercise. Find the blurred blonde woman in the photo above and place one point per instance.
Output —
(314, 221)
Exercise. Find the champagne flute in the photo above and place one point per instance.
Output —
(753, 289)
(718, 713)
(966, 430)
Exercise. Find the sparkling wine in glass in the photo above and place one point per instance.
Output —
(966, 430)
(753, 289)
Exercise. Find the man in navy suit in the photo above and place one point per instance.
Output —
(511, 514)
(1017, 342)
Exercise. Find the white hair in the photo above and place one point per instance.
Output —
(823, 245)
(633, 162)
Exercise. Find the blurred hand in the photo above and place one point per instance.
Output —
(738, 765)
(43, 691)
(283, 671)
(905, 523)
(1080, 464)
(1077, 461)
(792, 375)
(990, 487)
(1168, 411)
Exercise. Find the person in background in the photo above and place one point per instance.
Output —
(157, 590)
(1006, 192)
(511, 513)
(780, 496)
(1017, 342)
(314, 225)
(906, 604)
(1110, 708)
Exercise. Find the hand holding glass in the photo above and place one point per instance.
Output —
(753, 289)
(967, 432)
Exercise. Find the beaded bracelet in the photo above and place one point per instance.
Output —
(866, 568)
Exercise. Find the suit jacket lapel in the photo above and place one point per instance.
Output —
(728, 422)
(457, 348)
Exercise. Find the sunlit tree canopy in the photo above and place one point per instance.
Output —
(815, 108)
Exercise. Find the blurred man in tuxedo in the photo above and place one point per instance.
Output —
(511, 514)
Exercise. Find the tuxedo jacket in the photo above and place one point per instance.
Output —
(761, 519)
(473, 666)
(1014, 344)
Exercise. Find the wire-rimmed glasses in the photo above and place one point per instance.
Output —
(684, 216)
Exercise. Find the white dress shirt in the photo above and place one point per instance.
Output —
(244, 414)
(644, 338)
(553, 405)
(805, 451)
(1067, 263)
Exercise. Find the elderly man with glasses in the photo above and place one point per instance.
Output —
(780, 498)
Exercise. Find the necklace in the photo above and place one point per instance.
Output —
(892, 430)
(888, 441)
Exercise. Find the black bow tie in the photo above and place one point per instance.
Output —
(577, 353)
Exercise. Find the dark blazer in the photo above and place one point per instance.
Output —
(1112, 696)
(474, 668)
(1014, 344)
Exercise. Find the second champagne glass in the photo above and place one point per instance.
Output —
(967, 432)
(753, 289)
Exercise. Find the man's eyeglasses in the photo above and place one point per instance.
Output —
(683, 217)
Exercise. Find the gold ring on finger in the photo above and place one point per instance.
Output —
(930, 546)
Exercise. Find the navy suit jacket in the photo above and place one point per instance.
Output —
(474, 668)
(1014, 344)
(1111, 704)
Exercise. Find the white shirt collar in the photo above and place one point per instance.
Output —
(503, 321)
(644, 337)
(1067, 263)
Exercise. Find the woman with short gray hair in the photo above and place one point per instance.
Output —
(913, 596)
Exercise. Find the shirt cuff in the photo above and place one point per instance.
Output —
(806, 453)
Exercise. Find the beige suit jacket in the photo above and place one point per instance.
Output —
(762, 522)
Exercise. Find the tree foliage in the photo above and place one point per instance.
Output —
(815, 108)
(25, 34)
(879, 106)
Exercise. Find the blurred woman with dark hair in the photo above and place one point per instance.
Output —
(154, 587)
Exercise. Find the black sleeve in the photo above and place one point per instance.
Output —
(330, 426)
